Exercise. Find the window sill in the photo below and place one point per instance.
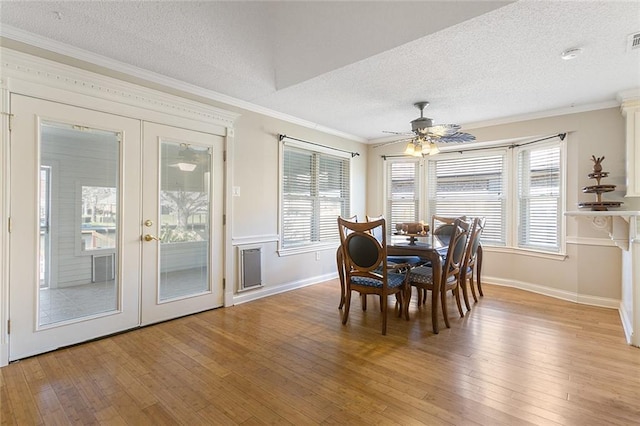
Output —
(525, 252)
(307, 249)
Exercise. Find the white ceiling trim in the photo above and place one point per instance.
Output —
(543, 114)
(35, 76)
(113, 65)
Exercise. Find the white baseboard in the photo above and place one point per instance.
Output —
(626, 323)
(261, 292)
(4, 354)
(602, 302)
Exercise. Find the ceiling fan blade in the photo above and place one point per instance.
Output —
(380, 145)
(458, 137)
(444, 129)
(398, 133)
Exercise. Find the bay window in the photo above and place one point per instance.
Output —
(519, 189)
(470, 185)
(403, 194)
(539, 207)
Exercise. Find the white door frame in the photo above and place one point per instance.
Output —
(32, 76)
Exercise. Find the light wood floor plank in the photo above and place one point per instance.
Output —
(516, 358)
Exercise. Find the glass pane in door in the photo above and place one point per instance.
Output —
(185, 200)
(79, 208)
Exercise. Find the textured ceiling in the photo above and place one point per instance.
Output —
(356, 67)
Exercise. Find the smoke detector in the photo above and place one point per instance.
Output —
(571, 53)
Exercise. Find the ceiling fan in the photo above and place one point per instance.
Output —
(424, 134)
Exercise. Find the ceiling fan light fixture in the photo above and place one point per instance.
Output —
(185, 167)
(410, 149)
(433, 149)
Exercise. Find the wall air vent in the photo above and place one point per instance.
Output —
(633, 42)
(250, 267)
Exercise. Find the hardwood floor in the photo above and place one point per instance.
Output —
(517, 358)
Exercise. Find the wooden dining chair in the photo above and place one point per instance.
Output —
(440, 280)
(366, 268)
(442, 225)
(340, 266)
(470, 261)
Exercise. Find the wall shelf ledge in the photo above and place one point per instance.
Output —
(621, 225)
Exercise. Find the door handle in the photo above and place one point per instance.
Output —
(149, 237)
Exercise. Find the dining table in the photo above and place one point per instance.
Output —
(431, 249)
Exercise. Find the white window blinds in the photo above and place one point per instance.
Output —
(403, 192)
(539, 209)
(315, 191)
(470, 185)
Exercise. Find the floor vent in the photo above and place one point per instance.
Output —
(103, 267)
(250, 267)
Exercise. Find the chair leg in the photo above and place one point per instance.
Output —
(340, 263)
(443, 302)
(473, 289)
(456, 293)
(479, 269)
(399, 303)
(462, 282)
(363, 301)
(406, 300)
(347, 305)
(434, 308)
(383, 302)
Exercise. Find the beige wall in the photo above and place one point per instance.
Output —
(255, 211)
(591, 272)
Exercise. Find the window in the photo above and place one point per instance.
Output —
(519, 189)
(403, 192)
(99, 207)
(539, 184)
(471, 185)
(315, 191)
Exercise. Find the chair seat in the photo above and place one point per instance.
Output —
(424, 275)
(393, 280)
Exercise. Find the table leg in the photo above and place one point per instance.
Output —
(479, 269)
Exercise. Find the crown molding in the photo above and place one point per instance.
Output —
(629, 95)
(575, 109)
(22, 67)
(56, 47)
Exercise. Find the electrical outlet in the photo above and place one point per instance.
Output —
(236, 191)
(317, 255)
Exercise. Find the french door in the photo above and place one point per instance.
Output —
(115, 223)
(182, 222)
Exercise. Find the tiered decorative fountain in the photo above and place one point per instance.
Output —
(598, 189)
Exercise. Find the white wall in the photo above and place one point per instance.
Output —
(591, 271)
